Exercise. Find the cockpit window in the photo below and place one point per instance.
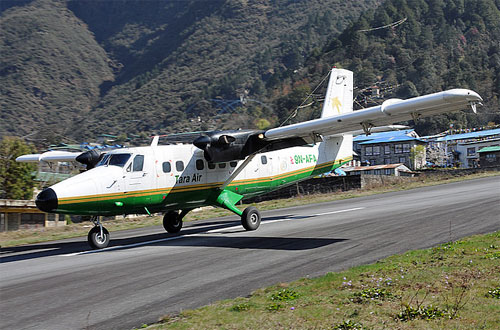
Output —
(138, 163)
(115, 159)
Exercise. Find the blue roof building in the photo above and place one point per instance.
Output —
(393, 147)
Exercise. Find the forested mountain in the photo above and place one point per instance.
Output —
(77, 68)
(149, 66)
(434, 45)
(51, 68)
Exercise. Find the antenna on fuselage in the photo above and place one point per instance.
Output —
(154, 143)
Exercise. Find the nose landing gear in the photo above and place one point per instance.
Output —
(98, 237)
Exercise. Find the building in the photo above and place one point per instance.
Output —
(390, 169)
(489, 156)
(394, 147)
(459, 150)
(21, 214)
(467, 152)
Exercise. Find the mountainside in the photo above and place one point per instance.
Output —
(407, 48)
(156, 63)
(50, 71)
(75, 69)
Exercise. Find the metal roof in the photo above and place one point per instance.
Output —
(373, 136)
(401, 138)
(490, 149)
(470, 135)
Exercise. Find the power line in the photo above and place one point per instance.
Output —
(392, 25)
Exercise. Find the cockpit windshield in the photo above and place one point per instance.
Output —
(114, 159)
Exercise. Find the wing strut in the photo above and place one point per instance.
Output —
(237, 171)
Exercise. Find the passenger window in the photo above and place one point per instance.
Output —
(138, 163)
(211, 166)
(179, 165)
(199, 164)
(222, 165)
(263, 159)
(233, 164)
(167, 167)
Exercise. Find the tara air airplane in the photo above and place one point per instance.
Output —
(222, 167)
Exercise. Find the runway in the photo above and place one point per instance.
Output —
(147, 273)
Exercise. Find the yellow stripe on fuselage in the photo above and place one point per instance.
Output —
(174, 189)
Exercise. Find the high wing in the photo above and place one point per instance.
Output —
(389, 112)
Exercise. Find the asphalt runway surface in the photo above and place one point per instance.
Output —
(147, 273)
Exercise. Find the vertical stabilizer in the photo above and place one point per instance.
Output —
(339, 93)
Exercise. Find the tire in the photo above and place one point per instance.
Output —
(250, 219)
(172, 222)
(95, 240)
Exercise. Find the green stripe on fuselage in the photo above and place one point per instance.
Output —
(184, 197)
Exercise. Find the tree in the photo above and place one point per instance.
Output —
(16, 179)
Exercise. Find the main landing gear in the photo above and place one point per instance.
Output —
(98, 237)
(250, 218)
(172, 221)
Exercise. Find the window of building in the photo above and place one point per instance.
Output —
(138, 163)
(378, 172)
(402, 159)
(179, 166)
(211, 166)
(387, 161)
(376, 150)
(387, 150)
(387, 171)
(368, 151)
(233, 164)
(263, 159)
(471, 151)
(406, 147)
(199, 164)
(222, 165)
(167, 167)
(398, 148)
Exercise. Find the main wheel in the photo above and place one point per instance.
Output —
(250, 219)
(172, 222)
(96, 240)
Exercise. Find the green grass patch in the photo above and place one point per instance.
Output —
(451, 286)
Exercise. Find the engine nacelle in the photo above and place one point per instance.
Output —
(224, 146)
(90, 158)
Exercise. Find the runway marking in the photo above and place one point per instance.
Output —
(220, 230)
(341, 211)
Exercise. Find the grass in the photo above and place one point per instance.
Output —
(452, 286)
(20, 237)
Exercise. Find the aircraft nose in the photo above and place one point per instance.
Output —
(47, 200)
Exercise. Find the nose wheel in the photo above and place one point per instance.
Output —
(98, 237)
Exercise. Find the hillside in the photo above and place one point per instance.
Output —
(50, 71)
(71, 70)
(151, 68)
(438, 45)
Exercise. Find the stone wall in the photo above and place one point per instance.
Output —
(329, 185)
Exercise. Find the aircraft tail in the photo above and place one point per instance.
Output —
(339, 94)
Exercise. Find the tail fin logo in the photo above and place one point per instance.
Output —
(336, 104)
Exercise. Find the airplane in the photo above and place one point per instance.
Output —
(222, 167)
